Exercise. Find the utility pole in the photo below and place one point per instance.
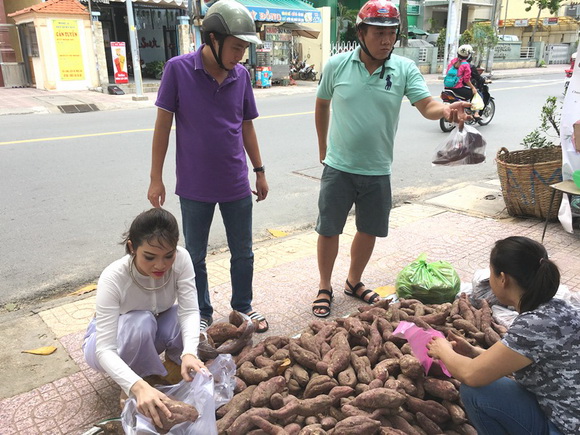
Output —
(135, 53)
(490, 50)
(452, 33)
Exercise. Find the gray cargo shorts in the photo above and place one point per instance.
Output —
(371, 195)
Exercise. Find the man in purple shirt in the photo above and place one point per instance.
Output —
(211, 96)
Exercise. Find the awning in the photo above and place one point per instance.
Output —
(283, 11)
(416, 31)
(299, 30)
(175, 3)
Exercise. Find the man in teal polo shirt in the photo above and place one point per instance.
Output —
(365, 88)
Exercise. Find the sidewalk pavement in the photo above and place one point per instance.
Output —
(60, 394)
(18, 101)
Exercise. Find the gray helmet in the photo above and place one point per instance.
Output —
(230, 18)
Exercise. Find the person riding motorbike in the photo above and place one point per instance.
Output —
(464, 87)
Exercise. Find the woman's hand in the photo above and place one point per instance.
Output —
(190, 363)
(149, 401)
(462, 346)
(438, 346)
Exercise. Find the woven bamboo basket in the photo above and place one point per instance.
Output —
(525, 178)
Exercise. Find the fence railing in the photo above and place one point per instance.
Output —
(527, 52)
(342, 47)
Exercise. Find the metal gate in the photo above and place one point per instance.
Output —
(557, 53)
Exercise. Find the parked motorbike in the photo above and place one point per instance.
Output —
(485, 115)
(308, 73)
(296, 67)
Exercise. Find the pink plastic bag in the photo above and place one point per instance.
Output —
(418, 339)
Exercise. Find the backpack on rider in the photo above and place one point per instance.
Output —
(452, 77)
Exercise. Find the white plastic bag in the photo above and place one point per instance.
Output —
(205, 392)
(477, 102)
(465, 147)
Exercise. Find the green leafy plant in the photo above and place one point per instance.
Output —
(154, 69)
(549, 120)
(441, 41)
(466, 37)
(484, 38)
(346, 23)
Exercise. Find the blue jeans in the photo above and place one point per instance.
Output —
(505, 407)
(237, 217)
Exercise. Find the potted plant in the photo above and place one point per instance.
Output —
(526, 175)
(154, 69)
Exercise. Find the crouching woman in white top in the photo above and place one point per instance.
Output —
(136, 315)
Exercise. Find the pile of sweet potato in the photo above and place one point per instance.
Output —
(226, 337)
(351, 375)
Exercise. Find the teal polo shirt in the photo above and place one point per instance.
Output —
(365, 110)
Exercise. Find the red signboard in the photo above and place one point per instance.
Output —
(119, 62)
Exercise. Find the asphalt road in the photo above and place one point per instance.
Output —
(71, 184)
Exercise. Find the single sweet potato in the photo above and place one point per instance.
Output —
(180, 413)
(385, 368)
(265, 389)
(302, 356)
(375, 342)
(308, 342)
(432, 409)
(266, 426)
(407, 384)
(392, 350)
(428, 425)
(238, 402)
(348, 377)
(312, 429)
(304, 407)
(411, 366)
(301, 375)
(441, 389)
(253, 375)
(379, 398)
(244, 422)
(320, 384)
(456, 412)
(357, 425)
(362, 368)
(341, 356)
(402, 424)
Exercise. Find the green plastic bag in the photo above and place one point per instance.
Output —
(431, 283)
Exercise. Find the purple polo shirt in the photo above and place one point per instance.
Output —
(210, 157)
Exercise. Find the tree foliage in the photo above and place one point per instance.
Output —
(346, 23)
(484, 38)
(551, 5)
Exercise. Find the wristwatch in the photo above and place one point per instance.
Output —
(260, 169)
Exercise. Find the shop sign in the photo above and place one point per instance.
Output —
(550, 21)
(284, 15)
(520, 23)
(120, 61)
(68, 49)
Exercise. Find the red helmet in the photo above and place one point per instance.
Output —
(379, 13)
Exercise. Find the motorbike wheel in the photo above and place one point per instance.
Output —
(303, 76)
(313, 76)
(487, 113)
(445, 125)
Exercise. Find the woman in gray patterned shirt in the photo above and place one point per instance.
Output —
(541, 350)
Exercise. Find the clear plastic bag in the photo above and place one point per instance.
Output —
(465, 147)
(431, 283)
(205, 392)
(482, 289)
